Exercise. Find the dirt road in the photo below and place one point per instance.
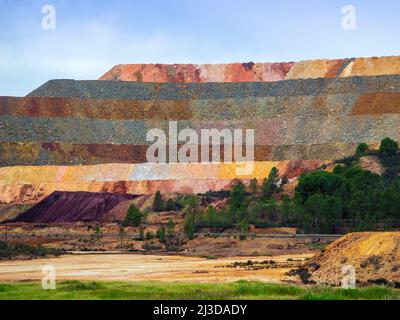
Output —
(117, 267)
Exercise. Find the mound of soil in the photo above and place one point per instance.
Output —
(374, 255)
(61, 207)
(118, 213)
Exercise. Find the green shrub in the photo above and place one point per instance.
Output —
(388, 147)
(170, 206)
(161, 234)
(270, 185)
(133, 216)
(149, 235)
(170, 228)
(141, 234)
(158, 205)
(361, 150)
(12, 250)
(189, 227)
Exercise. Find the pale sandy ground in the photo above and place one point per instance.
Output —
(120, 267)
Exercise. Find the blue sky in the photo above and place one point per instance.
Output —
(91, 36)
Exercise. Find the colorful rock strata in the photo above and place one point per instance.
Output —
(254, 72)
(91, 135)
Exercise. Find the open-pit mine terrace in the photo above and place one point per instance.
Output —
(91, 135)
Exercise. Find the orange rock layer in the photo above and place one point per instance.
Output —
(254, 72)
(90, 142)
(30, 184)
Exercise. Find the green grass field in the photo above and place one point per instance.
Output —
(76, 290)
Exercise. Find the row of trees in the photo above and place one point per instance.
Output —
(321, 200)
(351, 193)
(247, 205)
(134, 216)
(160, 206)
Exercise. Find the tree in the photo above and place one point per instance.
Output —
(189, 227)
(170, 228)
(289, 210)
(121, 233)
(361, 150)
(340, 169)
(133, 216)
(158, 205)
(270, 185)
(388, 153)
(238, 205)
(388, 147)
(363, 193)
(253, 186)
(244, 229)
(212, 217)
(318, 182)
(192, 204)
(322, 211)
(170, 206)
(161, 234)
(264, 212)
(390, 201)
(244, 226)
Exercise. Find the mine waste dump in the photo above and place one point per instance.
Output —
(90, 136)
(70, 207)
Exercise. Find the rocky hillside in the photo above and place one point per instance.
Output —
(91, 135)
(253, 72)
(374, 255)
(72, 207)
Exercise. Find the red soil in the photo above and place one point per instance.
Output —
(61, 207)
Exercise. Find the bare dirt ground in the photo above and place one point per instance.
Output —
(230, 247)
(119, 267)
(201, 246)
(79, 237)
(375, 257)
(203, 259)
